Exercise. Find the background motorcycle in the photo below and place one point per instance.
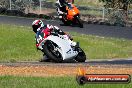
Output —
(58, 47)
(72, 16)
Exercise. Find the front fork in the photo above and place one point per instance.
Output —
(75, 18)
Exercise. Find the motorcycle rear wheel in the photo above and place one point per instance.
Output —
(48, 49)
(65, 21)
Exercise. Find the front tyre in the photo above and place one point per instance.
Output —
(81, 57)
(79, 21)
(50, 49)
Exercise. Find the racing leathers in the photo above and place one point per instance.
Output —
(61, 7)
(52, 29)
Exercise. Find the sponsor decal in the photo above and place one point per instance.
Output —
(69, 51)
(83, 78)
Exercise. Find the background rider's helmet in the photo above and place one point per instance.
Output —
(36, 25)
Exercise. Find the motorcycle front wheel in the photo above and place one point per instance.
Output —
(81, 57)
(79, 21)
(50, 49)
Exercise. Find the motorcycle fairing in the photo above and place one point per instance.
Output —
(72, 11)
(65, 47)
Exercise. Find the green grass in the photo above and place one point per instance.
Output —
(100, 47)
(51, 82)
(18, 44)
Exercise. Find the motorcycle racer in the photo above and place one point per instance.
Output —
(38, 26)
(68, 13)
(61, 7)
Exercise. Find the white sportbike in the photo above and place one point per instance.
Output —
(59, 48)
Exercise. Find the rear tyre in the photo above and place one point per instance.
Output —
(51, 52)
(65, 21)
(81, 57)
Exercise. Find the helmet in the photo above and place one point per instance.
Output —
(36, 25)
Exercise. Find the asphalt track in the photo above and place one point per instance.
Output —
(103, 63)
(92, 29)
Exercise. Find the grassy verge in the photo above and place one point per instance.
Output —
(18, 44)
(51, 82)
(100, 47)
